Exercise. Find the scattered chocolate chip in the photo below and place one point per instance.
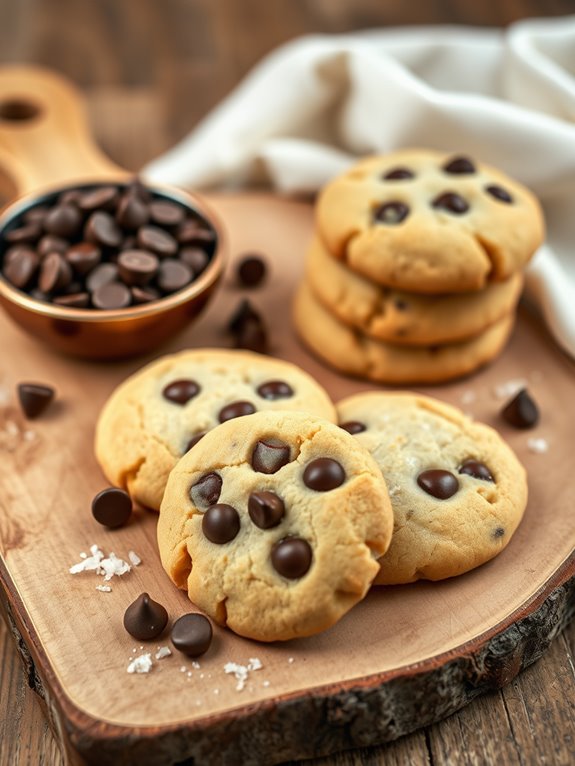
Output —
(353, 426)
(63, 221)
(55, 274)
(166, 213)
(103, 229)
(181, 391)
(266, 509)
(112, 507)
(137, 267)
(157, 240)
(194, 440)
(459, 166)
(243, 312)
(291, 557)
(323, 474)
(521, 411)
(275, 389)
(145, 619)
(83, 257)
(451, 202)
(104, 197)
(269, 455)
(192, 634)
(438, 483)
(132, 212)
(195, 258)
(51, 244)
(21, 267)
(206, 491)
(34, 398)
(111, 297)
(251, 270)
(398, 174)
(73, 300)
(476, 469)
(252, 336)
(391, 213)
(235, 410)
(141, 296)
(173, 275)
(499, 193)
(221, 523)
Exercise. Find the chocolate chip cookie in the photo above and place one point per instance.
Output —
(274, 523)
(458, 491)
(423, 221)
(158, 414)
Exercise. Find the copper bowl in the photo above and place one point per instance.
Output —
(119, 333)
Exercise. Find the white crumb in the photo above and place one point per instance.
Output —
(216, 691)
(509, 388)
(183, 668)
(265, 683)
(104, 588)
(196, 665)
(468, 397)
(29, 436)
(83, 555)
(141, 664)
(11, 428)
(97, 562)
(135, 560)
(241, 672)
(163, 651)
(290, 660)
(538, 445)
(189, 673)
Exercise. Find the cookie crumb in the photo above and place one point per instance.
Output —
(135, 560)
(509, 388)
(104, 588)
(141, 664)
(241, 672)
(163, 651)
(538, 445)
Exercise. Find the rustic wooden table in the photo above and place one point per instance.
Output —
(150, 70)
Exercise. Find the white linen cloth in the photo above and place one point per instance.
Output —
(309, 109)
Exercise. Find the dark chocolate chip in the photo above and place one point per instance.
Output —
(498, 532)
(141, 296)
(206, 491)
(291, 557)
(391, 213)
(103, 198)
(459, 166)
(221, 523)
(55, 273)
(193, 232)
(173, 275)
(275, 389)
(157, 240)
(34, 398)
(235, 410)
(353, 426)
(111, 296)
(145, 618)
(137, 267)
(103, 229)
(438, 483)
(398, 174)
(323, 474)
(70, 197)
(251, 270)
(83, 257)
(63, 221)
(192, 634)
(269, 455)
(266, 509)
(194, 440)
(476, 469)
(166, 213)
(195, 258)
(253, 336)
(112, 507)
(36, 214)
(73, 300)
(140, 190)
(27, 234)
(102, 275)
(499, 193)
(243, 312)
(132, 212)
(21, 267)
(181, 391)
(451, 202)
(521, 411)
(51, 244)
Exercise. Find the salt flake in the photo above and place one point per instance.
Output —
(135, 560)
(538, 445)
(141, 664)
(241, 672)
(163, 651)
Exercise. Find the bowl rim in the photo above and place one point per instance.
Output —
(191, 200)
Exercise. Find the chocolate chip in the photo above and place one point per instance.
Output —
(476, 469)
(252, 336)
(70, 197)
(275, 389)
(353, 426)
(235, 410)
(139, 190)
(391, 213)
(55, 274)
(137, 267)
(451, 202)
(194, 440)
(221, 523)
(83, 257)
(140, 296)
(243, 312)
(195, 258)
(132, 212)
(102, 197)
(498, 532)
(398, 174)
(269, 455)
(145, 619)
(36, 214)
(21, 267)
(459, 166)
(323, 474)
(521, 411)
(206, 491)
(112, 507)
(111, 296)
(291, 557)
(103, 229)
(51, 244)
(181, 391)
(192, 634)
(73, 300)
(63, 221)
(173, 275)
(438, 483)
(25, 234)
(194, 232)
(34, 398)
(499, 193)
(157, 240)
(266, 509)
(251, 270)
(166, 213)
(102, 275)
(400, 304)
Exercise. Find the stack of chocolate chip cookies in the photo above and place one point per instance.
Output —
(415, 269)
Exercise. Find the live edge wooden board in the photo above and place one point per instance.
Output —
(405, 657)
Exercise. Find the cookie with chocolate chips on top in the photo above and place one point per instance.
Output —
(162, 411)
(274, 524)
(458, 491)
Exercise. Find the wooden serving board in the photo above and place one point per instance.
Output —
(403, 658)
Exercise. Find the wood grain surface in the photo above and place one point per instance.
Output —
(150, 71)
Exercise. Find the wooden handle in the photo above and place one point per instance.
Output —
(44, 134)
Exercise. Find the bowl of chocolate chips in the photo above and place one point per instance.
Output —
(108, 270)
